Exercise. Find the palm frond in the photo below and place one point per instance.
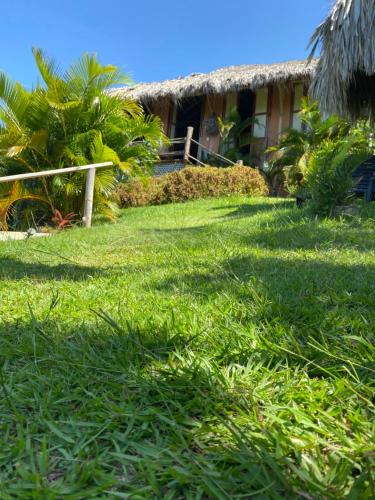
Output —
(88, 78)
(47, 67)
(18, 191)
(14, 100)
(345, 73)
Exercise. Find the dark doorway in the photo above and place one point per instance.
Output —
(246, 104)
(246, 110)
(361, 96)
(189, 114)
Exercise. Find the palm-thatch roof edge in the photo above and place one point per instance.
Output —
(221, 81)
(345, 74)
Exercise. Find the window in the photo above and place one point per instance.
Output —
(260, 115)
(298, 94)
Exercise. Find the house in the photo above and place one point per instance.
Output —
(344, 82)
(269, 93)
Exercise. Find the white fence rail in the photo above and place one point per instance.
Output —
(90, 182)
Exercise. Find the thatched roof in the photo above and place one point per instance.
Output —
(221, 81)
(345, 75)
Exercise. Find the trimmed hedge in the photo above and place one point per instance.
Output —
(192, 183)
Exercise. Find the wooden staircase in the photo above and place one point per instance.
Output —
(364, 178)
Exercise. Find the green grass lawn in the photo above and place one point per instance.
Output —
(214, 349)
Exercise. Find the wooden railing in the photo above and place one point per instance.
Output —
(175, 154)
(90, 181)
(167, 155)
(189, 140)
(184, 154)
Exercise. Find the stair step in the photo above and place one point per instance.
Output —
(166, 168)
(364, 175)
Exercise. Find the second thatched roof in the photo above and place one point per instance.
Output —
(221, 81)
(345, 76)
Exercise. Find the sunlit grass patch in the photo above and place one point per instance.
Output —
(216, 349)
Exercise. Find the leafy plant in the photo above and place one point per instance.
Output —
(64, 221)
(327, 175)
(235, 135)
(318, 161)
(295, 146)
(19, 193)
(71, 119)
(274, 176)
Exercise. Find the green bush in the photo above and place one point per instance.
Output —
(318, 160)
(295, 146)
(193, 183)
(328, 174)
(70, 119)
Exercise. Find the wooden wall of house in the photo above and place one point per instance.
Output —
(275, 112)
(213, 106)
(279, 117)
(286, 120)
(162, 109)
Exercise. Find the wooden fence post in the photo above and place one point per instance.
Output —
(89, 197)
(189, 136)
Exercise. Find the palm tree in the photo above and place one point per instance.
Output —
(71, 119)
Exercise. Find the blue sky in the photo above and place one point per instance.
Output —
(157, 39)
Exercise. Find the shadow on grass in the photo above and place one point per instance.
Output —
(310, 234)
(293, 228)
(293, 296)
(13, 269)
(90, 393)
(287, 229)
(253, 209)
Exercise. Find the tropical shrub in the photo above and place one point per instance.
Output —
(318, 161)
(295, 146)
(193, 183)
(71, 119)
(327, 175)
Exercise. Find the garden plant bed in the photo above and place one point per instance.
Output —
(219, 348)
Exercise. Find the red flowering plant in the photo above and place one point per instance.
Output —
(64, 221)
